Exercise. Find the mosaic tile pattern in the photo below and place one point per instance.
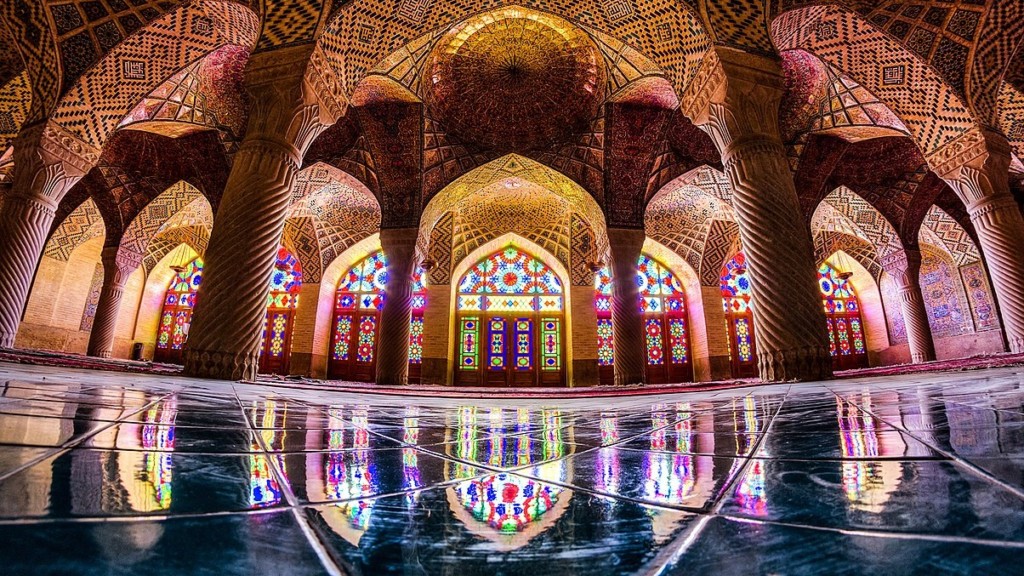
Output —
(104, 472)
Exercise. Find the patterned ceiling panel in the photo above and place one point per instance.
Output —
(15, 105)
(508, 170)
(196, 213)
(330, 210)
(151, 219)
(819, 99)
(206, 93)
(827, 244)
(26, 25)
(517, 206)
(301, 239)
(928, 106)
(82, 224)
(1011, 117)
(939, 229)
(366, 32)
(103, 95)
(87, 30)
(195, 237)
(843, 211)
(965, 41)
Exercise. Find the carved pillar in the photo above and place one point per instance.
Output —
(905, 268)
(977, 166)
(399, 246)
(627, 321)
(118, 265)
(48, 162)
(738, 106)
(224, 339)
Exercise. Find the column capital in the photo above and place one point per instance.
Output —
(48, 161)
(904, 266)
(119, 263)
(287, 111)
(976, 165)
(735, 98)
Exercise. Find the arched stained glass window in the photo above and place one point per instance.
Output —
(513, 303)
(282, 300)
(176, 316)
(663, 304)
(357, 306)
(737, 301)
(845, 324)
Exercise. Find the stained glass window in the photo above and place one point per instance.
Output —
(663, 304)
(282, 300)
(842, 309)
(737, 302)
(176, 315)
(357, 305)
(513, 302)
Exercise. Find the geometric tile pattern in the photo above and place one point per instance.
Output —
(940, 229)
(515, 170)
(944, 295)
(440, 251)
(1011, 116)
(846, 212)
(723, 242)
(828, 243)
(82, 224)
(517, 206)
(26, 28)
(893, 309)
(668, 33)
(97, 102)
(979, 293)
(15, 102)
(584, 252)
(208, 92)
(195, 237)
(928, 106)
(151, 219)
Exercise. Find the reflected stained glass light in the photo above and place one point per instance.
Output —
(179, 301)
(846, 334)
(357, 305)
(662, 300)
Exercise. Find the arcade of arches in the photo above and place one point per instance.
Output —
(572, 194)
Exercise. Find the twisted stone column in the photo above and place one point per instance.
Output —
(48, 162)
(118, 265)
(739, 109)
(977, 167)
(224, 339)
(627, 321)
(399, 246)
(905, 268)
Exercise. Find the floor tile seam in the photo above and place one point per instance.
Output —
(326, 561)
(957, 460)
(70, 444)
(756, 448)
(141, 517)
(891, 534)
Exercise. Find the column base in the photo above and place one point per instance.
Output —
(1016, 345)
(807, 363)
(918, 358)
(7, 340)
(220, 365)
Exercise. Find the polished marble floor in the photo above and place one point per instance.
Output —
(105, 473)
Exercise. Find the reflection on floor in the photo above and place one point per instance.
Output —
(118, 473)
